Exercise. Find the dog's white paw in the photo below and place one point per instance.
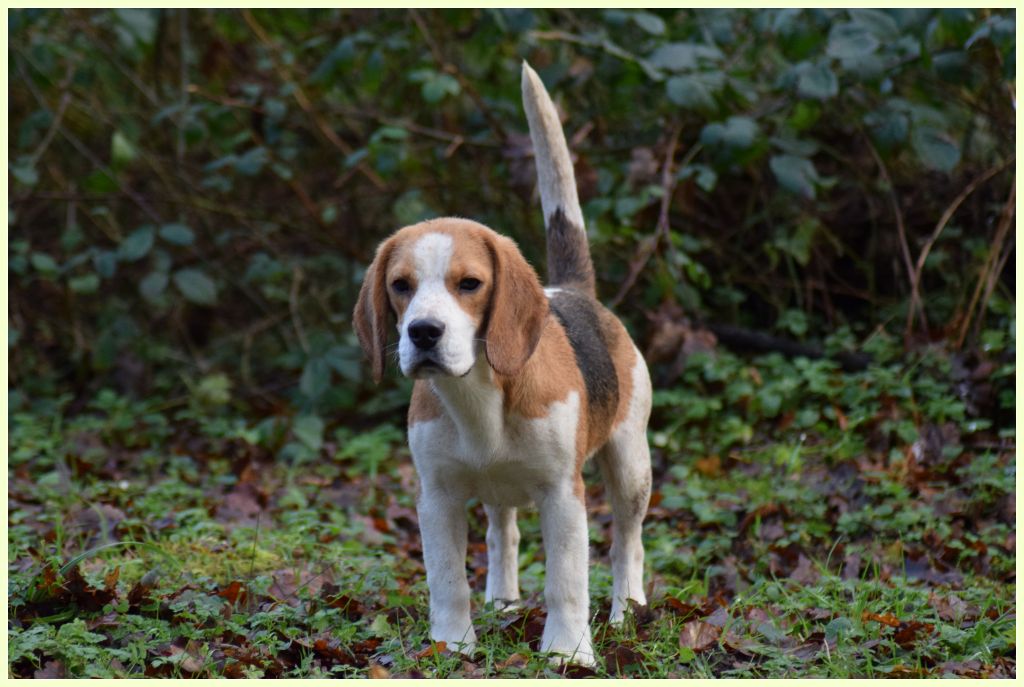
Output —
(619, 608)
(462, 641)
(568, 647)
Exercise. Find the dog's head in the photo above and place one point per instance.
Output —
(456, 288)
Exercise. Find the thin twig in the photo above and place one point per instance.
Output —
(993, 266)
(104, 47)
(293, 307)
(304, 102)
(449, 68)
(62, 106)
(603, 44)
(662, 230)
(183, 75)
(915, 285)
(84, 150)
(901, 231)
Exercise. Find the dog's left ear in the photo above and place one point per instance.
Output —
(371, 313)
(519, 309)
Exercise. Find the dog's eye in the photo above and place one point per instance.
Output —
(400, 286)
(469, 285)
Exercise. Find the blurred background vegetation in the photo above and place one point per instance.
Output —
(194, 194)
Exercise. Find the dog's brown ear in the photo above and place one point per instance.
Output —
(518, 309)
(371, 313)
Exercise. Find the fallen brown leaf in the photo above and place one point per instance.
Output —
(710, 466)
(952, 608)
(887, 619)
(851, 567)
(351, 608)
(378, 672)
(621, 656)
(902, 671)
(189, 663)
(110, 580)
(740, 644)
(906, 635)
(88, 597)
(432, 649)
(51, 670)
(804, 573)
(233, 592)
(841, 419)
(719, 618)
(698, 635)
(576, 671)
(678, 607)
(513, 661)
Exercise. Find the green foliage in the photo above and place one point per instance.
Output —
(225, 219)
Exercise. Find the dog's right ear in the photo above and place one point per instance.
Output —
(371, 314)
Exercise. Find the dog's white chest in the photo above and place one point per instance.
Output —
(499, 458)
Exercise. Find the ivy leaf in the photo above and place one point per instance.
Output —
(438, 86)
(135, 26)
(153, 286)
(252, 161)
(346, 361)
(316, 377)
(880, 24)
(936, 148)
(136, 245)
(689, 92)
(684, 56)
(44, 263)
(649, 22)
(105, 263)
(706, 177)
(888, 126)
(24, 172)
(309, 430)
(121, 150)
(342, 53)
(178, 234)
(795, 173)
(734, 132)
(196, 286)
(850, 41)
(798, 242)
(87, 283)
(816, 81)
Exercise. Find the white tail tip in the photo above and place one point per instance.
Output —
(555, 176)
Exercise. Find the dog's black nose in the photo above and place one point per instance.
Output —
(426, 333)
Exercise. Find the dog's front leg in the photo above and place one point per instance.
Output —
(442, 517)
(563, 520)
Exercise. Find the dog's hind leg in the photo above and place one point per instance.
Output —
(502, 556)
(625, 464)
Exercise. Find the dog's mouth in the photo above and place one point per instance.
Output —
(428, 368)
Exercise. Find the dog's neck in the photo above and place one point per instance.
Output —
(475, 402)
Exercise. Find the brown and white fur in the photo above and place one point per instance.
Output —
(516, 387)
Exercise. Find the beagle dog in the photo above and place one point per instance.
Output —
(516, 386)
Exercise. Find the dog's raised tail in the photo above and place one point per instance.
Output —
(569, 261)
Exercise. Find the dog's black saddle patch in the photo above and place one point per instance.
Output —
(578, 314)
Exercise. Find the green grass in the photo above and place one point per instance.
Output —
(806, 522)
